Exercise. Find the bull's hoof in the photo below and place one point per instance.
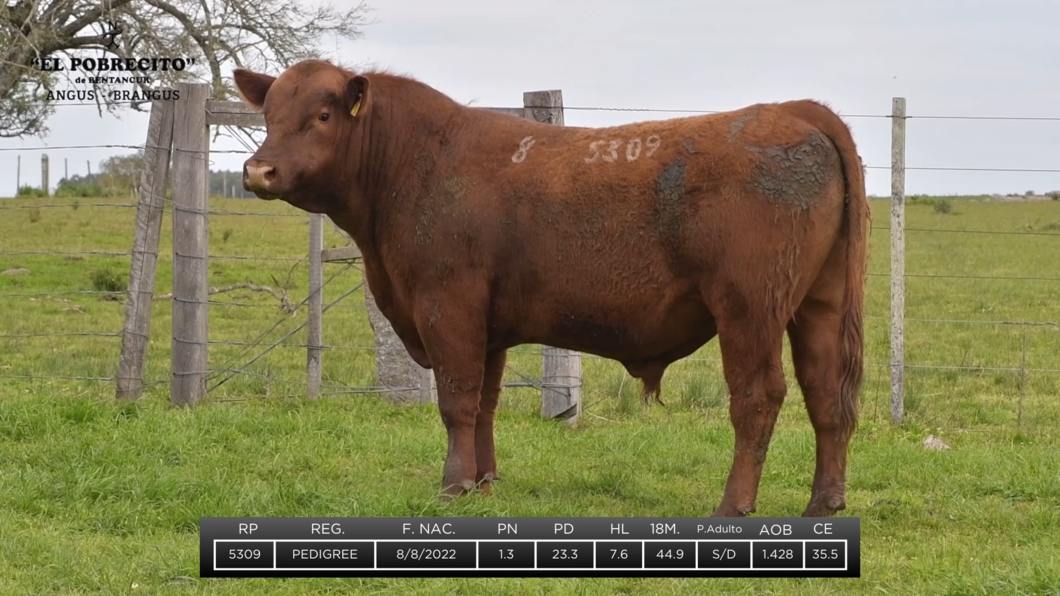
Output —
(454, 490)
(824, 506)
(485, 482)
(724, 510)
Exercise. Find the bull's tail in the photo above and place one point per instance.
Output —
(851, 334)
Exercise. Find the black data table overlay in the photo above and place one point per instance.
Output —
(529, 547)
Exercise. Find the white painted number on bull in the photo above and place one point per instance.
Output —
(653, 143)
(524, 146)
(594, 149)
(610, 154)
(633, 149)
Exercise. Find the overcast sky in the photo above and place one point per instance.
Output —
(946, 57)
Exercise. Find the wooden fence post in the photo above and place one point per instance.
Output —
(191, 148)
(407, 381)
(561, 375)
(897, 259)
(315, 324)
(395, 369)
(44, 186)
(144, 258)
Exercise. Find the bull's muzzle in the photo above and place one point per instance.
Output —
(258, 178)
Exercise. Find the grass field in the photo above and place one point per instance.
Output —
(100, 497)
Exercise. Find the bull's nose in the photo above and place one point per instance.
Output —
(257, 176)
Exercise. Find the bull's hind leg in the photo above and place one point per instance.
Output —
(815, 335)
(751, 356)
(485, 455)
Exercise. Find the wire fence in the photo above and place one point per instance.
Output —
(63, 104)
(251, 151)
(982, 326)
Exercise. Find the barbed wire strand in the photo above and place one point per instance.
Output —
(69, 205)
(248, 152)
(349, 241)
(256, 258)
(168, 201)
(972, 321)
(64, 253)
(55, 293)
(57, 377)
(642, 110)
(1002, 232)
(62, 334)
(971, 277)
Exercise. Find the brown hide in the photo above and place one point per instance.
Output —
(482, 231)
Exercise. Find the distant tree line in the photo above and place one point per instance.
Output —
(119, 176)
(227, 183)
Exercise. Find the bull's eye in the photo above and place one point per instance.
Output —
(324, 117)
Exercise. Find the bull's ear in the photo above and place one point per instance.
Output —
(252, 86)
(356, 95)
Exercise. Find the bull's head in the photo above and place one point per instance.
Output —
(314, 114)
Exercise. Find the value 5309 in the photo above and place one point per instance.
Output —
(244, 554)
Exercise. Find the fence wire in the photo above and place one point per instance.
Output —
(668, 111)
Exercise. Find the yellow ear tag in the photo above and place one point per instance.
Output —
(356, 107)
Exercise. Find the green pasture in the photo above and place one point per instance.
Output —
(102, 497)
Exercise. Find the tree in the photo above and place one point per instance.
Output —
(122, 172)
(265, 35)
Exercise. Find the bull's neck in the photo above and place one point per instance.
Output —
(409, 122)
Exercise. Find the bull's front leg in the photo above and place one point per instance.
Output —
(485, 454)
(454, 338)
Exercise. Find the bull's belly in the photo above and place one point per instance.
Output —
(632, 333)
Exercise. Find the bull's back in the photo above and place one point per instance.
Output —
(615, 230)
